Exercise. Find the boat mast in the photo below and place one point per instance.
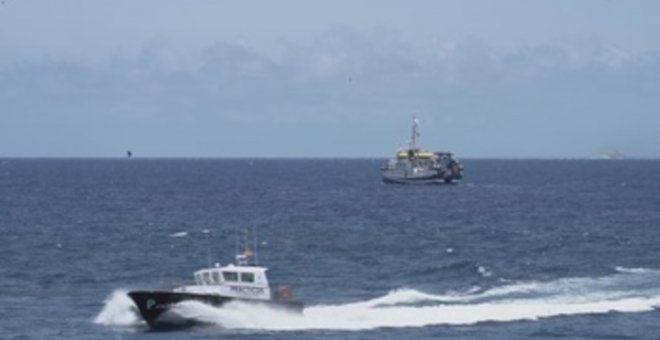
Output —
(256, 259)
(208, 252)
(414, 133)
(238, 240)
(243, 256)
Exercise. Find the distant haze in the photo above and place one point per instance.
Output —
(213, 78)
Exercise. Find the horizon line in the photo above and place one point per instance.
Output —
(304, 158)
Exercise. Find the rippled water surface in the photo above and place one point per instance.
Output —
(520, 249)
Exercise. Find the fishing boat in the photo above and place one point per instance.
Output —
(414, 165)
(242, 281)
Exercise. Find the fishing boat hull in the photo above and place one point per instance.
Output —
(153, 306)
(420, 181)
(419, 177)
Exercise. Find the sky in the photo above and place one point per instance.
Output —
(296, 78)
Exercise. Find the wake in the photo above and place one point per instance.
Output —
(119, 310)
(627, 291)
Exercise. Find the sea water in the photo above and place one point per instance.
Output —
(519, 249)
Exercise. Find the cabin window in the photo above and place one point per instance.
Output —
(230, 276)
(198, 279)
(207, 278)
(247, 277)
(216, 277)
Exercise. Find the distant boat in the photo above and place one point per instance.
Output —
(417, 166)
(243, 281)
(129, 154)
(614, 155)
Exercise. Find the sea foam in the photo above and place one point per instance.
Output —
(626, 291)
(119, 310)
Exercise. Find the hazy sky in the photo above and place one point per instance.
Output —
(203, 78)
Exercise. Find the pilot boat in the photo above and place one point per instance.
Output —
(417, 166)
(242, 281)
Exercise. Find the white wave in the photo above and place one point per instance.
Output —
(632, 270)
(352, 317)
(624, 283)
(403, 296)
(236, 315)
(179, 234)
(484, 272)
(635, 291)
(119, 310)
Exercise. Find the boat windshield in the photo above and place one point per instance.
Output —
(207, 278)
(230, 276)
(216, 277)
(247, 277)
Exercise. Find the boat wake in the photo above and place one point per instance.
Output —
(119, 310)
(627, 290)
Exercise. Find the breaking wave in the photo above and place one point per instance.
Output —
(628, 290)
(119, 310)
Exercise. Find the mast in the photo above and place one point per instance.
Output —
(243, 256)
(208, 252)
(414, 133)
(238, 242)
(254, 234)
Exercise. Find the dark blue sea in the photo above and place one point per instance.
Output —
(542, 249)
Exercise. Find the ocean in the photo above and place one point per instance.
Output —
(539, 249)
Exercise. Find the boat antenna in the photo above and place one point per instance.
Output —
(243, 255)
(414, 133)
(254, 234)
(238, 241)
(208, 253)
(208, 246)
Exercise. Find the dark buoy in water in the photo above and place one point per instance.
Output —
(129, 154)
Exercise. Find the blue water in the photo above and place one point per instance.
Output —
(520, 249)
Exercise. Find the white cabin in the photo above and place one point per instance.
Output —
(239, 281)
